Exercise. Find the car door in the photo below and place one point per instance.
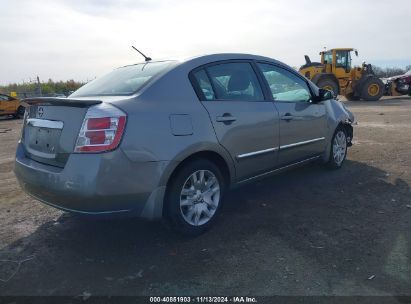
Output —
(7, 104)
(3, 105)
(303, 123)
(246, 124)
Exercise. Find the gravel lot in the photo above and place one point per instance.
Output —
(309, 231)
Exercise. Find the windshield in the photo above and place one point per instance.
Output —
(328, 57)
(123, 81)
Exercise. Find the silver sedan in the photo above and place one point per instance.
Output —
(167, 139)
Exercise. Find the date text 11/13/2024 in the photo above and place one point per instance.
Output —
(203, 299)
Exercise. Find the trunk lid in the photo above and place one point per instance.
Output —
(51, 127)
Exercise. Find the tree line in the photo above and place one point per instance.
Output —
(390, 71)
(49, 88)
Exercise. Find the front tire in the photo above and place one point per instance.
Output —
(372, 89)
(338, 149)
(352, 97)
(194, 198)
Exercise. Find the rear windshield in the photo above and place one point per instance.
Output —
(123, 81)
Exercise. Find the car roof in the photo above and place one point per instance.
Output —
(227, 56)
(205, 59)
(199, 60)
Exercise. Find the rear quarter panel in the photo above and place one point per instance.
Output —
(149, 131)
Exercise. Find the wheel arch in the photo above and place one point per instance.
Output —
(21, 108)
(222, 160)
(348, 129)
(341, 123)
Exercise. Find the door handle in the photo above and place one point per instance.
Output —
(226, 118)
(287, 117)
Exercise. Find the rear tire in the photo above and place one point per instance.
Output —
(328, 84)
(193, 200)
(352, 97)
(20, 112)
(372, 89)
(338, 151)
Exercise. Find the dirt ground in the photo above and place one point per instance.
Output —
(309, 231)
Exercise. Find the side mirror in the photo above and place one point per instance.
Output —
(325, 94)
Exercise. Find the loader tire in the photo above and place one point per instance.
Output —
(352, 97)
(328, 84)
(372, 89)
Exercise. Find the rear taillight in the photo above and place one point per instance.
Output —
(102, 129)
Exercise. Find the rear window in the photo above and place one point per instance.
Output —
(123, 81)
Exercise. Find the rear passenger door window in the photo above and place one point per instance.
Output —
(235, 81)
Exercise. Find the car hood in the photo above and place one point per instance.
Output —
(407, 77)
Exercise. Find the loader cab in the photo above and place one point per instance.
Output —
(338, 62)
(343, 60)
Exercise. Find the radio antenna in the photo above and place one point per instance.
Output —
(147, 59)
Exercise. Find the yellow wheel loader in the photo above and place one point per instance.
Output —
(336, 74)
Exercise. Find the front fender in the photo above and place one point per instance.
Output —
(338, 114)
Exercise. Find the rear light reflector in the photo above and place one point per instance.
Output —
(96, 137)
(102, 129)
(99, 123)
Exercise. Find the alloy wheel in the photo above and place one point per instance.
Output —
(339, 147)
(199, 197)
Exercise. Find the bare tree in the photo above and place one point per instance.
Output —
(389, 71)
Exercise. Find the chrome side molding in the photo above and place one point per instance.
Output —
(256, 153)
(301, 143)
(245, 155)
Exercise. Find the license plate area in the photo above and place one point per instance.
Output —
(50, 132)
(42, 142)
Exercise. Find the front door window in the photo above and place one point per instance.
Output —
(284, 85)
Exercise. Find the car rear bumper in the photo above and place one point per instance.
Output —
(95, 184)
(403, 88)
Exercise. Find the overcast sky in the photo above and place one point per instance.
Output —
(82, 39)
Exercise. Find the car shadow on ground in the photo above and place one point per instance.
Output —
(396, 101)
(306, 231)
(8, 117)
